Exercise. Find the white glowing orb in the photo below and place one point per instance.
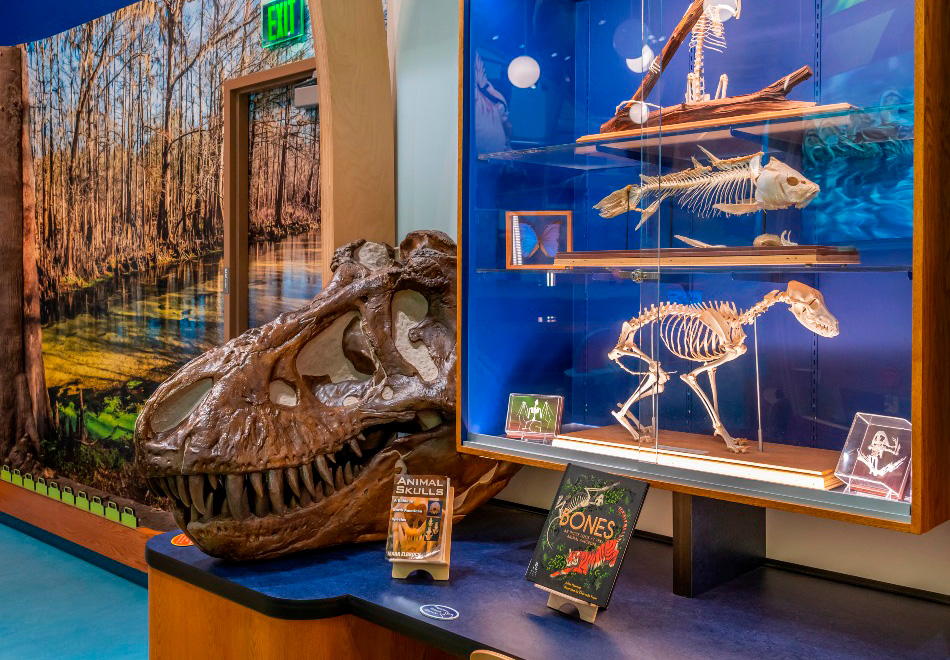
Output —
(642, 63)
(639, 112)
(524, 71)
(721, 10)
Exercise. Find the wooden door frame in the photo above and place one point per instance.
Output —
(237, 98)
(357, 141)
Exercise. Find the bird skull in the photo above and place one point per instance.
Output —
(808, 306)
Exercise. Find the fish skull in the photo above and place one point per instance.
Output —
(808, 306)
(779, 186)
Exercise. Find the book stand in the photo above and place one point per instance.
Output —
(585, 611)
(437, 566)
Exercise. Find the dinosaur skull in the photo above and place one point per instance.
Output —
(779, 186)
(808, 306)
(288, 437)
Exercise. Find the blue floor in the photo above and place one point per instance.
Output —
(55, 606)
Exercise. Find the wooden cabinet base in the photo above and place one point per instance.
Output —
(188, 622)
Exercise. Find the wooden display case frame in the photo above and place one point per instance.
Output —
(930, 375)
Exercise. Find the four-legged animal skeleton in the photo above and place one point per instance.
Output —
(712, 334)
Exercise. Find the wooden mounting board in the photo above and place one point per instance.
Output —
(734, 120)
(803, 255)
(805, 467)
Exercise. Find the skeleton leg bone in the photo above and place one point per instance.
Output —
(653, 383)
(739, 445)
(721, 90)
(712, 388)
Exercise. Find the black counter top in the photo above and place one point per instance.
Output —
(769, 613)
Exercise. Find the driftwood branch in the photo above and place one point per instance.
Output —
(683, 28)
(769, 99)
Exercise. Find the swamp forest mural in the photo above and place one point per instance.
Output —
(125, 130)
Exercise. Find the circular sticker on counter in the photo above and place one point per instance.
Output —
(440, 612)
(181, 541)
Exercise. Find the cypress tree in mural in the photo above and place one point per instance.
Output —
(22, 390)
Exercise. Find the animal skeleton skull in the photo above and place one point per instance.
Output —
(288, 437)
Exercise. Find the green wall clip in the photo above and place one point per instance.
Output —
(82, 500)
(5, 474)
(52, 490)
(112, 512)
(40, 486)
(17, 478)
(67, 496)
(28, 482)
(96, 507)
(128, 518)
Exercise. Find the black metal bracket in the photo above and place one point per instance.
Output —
(714, 541)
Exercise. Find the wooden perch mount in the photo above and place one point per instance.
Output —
(768, 99)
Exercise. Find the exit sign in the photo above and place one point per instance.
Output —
(282, 22)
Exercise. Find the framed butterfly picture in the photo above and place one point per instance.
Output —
(534, 238)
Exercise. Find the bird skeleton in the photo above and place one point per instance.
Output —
(708, 34)
(712, 334)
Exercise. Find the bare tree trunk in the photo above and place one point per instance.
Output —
(32, 323)
(19, 442)
(282, 168)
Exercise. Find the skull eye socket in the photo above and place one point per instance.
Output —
(357, 349)
(410, 308)
(283, 393)
(793, 181)
(178, 406)
(324, 357)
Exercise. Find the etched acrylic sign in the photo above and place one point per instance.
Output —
(533, 416)
(876, 456)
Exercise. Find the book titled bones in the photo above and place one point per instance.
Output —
(586, 534)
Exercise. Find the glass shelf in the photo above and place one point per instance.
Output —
(835, 500)
(883, 256)
(870, 127)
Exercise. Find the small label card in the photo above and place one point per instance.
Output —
(875, 459)
(534, 416)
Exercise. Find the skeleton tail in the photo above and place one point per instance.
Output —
(620, 201)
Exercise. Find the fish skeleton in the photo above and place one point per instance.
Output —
(734, 186)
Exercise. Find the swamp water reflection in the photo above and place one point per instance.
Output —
(133, 331)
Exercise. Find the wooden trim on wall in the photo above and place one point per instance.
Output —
(459, 237)
(110, 539)
(357, 133)
(930, 376)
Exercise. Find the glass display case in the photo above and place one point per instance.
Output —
(694, 221)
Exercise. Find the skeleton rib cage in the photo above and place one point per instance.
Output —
(710, 333)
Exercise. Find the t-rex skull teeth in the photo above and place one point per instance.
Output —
(288, 437)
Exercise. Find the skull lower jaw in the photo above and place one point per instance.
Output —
(317, 525)
(280, 516)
